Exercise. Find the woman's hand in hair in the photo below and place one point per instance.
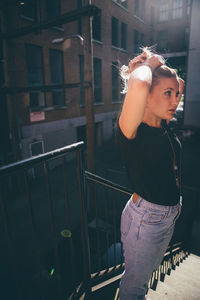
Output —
(153, 61)
(136, 62)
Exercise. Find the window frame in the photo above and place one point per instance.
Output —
(160, 34)
(96, 28)
(123, 36)
(163, 11)
(97, 80)
(115, 32)
(35, 84)
(143, 11)
(52, 71)
(136, 8)
(188, 7)
(177, 9)
(152, 16)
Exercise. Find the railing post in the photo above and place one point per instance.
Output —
(4, 215)
(83, 216)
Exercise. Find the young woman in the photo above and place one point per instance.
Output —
(151, 154)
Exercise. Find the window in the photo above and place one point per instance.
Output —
(35, 76)
(80, 31)
(57, 76)
(37, 148)
(152, 16)
(186, 37)
(2, 78)
(28, 8)
(143, 9)
(142, 39)
(115, 82)
(81, 72)
(79, 5)
(151, 41)
(136, 41)
(98, 133)
(34, 65)
(115, 32)
(81, 135)
(96, 26)
(37, 99)
(136, 8)
(123, 35)
(177, 9)
(97, 81)
(164, 10)
(162, 39)
(188, 9)
(124, 3)
(52, 8)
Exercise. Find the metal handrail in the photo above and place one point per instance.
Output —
(29, 162)
(98, 179)
(21, 169)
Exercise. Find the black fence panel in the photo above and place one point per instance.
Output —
(42, 226)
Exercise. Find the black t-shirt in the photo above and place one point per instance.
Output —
(148, 159)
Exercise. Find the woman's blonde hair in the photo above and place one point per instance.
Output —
(160, 72)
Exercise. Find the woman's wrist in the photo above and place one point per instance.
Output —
(141, 74)
(148, 65)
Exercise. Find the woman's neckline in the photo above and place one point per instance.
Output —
(152, 126)
(162, 129)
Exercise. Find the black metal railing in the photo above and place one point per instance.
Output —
(43, 226)
(60, 229)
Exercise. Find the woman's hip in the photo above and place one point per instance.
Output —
(143, 217)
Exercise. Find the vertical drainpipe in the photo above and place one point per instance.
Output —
(89, 90)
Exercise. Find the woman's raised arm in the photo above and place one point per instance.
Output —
(139, 85)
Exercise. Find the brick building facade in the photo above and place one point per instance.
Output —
(46, 119)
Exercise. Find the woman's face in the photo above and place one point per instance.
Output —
(163, 99)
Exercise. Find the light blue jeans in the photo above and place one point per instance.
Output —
(146, 230)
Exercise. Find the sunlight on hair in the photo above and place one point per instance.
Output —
(124, 70)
